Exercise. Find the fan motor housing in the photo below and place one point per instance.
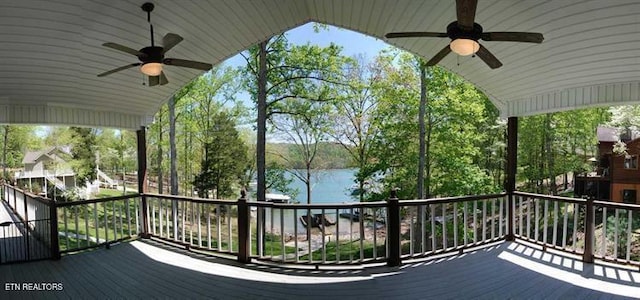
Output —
(151, 54)
(454, 31)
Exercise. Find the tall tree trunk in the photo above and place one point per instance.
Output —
(261, 142)
(308, 183)
(423, 157)
(422, 130)
(4, 153)
(173, 161)
(159, 160)
(172, 146)
(262, 121)
(124, 173)
(548, 140)
(185, 175)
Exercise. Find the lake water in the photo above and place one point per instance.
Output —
(328, 186)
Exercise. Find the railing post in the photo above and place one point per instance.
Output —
(589, 228)
(244, 252)
(393, 223)
(53, 218)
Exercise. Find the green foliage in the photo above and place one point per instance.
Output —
(18, 139)
(72, 194)
(300, 85)
(116, 151)
(553, 144)
(622, 237)
(278, 181)
(454, 112)
(83, 144)
(224, 160)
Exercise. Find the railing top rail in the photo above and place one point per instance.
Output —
(551, 197)
(450, 199)
(90, 201)
(618, 205)
(40, 199)
(191, 199)
(319, 205)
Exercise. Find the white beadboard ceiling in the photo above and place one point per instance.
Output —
(50, 51)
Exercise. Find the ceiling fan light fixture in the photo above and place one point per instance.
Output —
(464, 47)
(151, 68)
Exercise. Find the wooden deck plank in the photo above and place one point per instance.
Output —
(143, 269)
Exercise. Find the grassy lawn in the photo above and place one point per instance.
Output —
(106, 193)
(81, 221)
(347, 251)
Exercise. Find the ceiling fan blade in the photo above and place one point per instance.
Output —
(528, 37)
(488, 58)
(393, 35)
(118, 69)
(466, 13)
(123, 48)
(188, 64)
(169, 41)
(163, 79)
(436, 59)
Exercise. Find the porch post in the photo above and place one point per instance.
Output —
(53, 227)
(393, 227)
(512, 163)
(244, 252)
(142, 178)
(589, 229)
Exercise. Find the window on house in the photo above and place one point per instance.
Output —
(631, 162)
(629, 196)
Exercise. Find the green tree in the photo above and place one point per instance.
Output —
(278, 71)
(305, 127)
(454, 112)
(225, 159)
(353, 125)
(277, 180)
(16, 140)
(82, 151)
(556, 144)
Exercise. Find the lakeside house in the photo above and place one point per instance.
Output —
(47, 168)
(616, 177)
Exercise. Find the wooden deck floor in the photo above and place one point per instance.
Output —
(145, 269)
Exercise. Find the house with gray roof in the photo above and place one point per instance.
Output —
(46, 169)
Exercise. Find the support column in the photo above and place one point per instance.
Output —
(244, 218)
(589, 229)
(512, 164)
(393, 225)
(53, 216)
(142, 178)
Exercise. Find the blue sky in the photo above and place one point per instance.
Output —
(352, 42)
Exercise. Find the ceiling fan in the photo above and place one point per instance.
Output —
(465, 33)
(152, 58)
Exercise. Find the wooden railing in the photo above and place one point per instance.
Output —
(593, 229)
(97, 222)
(195, 223)
(441, 225)
(318, 233)
(348, 233)
(33, 234)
